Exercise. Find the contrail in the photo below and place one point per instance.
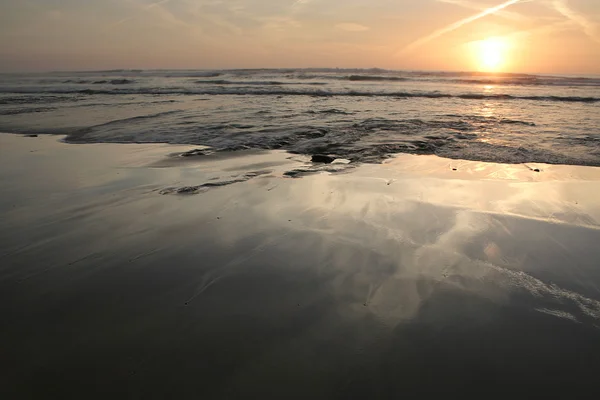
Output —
(458, 24)
(481, 7)
(562, 6)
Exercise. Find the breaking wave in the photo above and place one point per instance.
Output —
(266, 91)
(363, 115)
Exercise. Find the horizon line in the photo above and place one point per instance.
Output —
(293, 68)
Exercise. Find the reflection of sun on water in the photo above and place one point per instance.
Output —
(486, 110)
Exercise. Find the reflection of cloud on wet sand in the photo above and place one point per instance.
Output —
(388, 255)
(388, 246)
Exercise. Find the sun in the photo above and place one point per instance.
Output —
(491, 54)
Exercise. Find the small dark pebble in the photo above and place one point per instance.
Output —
(536, 170)
(321, 158)
(31, 135)
(218, 217)
(453, 169)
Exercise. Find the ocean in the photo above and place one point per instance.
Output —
(355, 114)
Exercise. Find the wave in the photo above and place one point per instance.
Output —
(516, 122)
(209, 74)
(368, 140)
(101, 82)
(257, 83)
(28, 110)
(472, 79)
(321, 93)
(138, 118)
(80, 133)
(36, 99)
(534, 81)
(116, 71)
(529, 81)
(114, 82)
(333, 73)
(373, 78)
(467, 80)
(243, 91)
(330, 111)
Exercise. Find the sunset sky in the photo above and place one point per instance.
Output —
(546, 36)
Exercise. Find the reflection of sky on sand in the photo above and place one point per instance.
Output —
(385, 238)
(391, 246)
(381, 268)
(404, 249)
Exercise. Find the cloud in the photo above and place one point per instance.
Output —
(298, 3)
(352, 27)
(142, 8)
(159, 10)
(280, 23)
(454, 26)
(588, 27)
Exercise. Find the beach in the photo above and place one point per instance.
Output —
(152, 271)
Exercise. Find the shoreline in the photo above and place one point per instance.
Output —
(534, 166)
(377, 278)
(476, 168)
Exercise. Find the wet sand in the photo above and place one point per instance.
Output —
(128, 271)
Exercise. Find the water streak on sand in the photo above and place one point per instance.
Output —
(209, 185)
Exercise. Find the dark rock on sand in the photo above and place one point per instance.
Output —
(32, 135)
(321, 158)
(196, 152)
(293, 173)
(187, 190)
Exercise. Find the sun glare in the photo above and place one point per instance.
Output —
(491, 54)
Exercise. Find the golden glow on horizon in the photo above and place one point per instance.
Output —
(496, 36)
